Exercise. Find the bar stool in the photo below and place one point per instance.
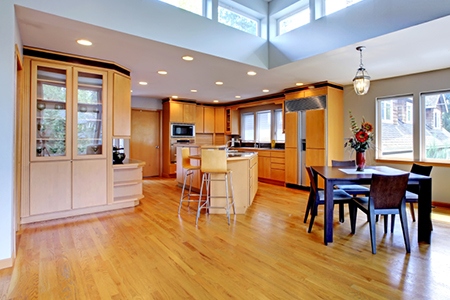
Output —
(214, 168)
(186, 163)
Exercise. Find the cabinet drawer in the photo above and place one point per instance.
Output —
(277, 154)
(263, 153)
(277, 160)
(277, 166)
(132, 174)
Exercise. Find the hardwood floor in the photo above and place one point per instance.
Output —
(149, 252)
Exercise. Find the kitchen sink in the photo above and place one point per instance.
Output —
(240, 154)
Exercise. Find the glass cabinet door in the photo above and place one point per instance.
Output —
(50, 114)
(89, 113)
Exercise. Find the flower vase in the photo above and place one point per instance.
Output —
(360, 161)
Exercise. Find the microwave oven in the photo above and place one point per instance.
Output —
(182, 130)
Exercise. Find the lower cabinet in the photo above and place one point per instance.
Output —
(128, 181)
(271, 165)
(51, 186)
(89, 183)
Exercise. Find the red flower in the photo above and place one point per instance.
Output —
(361, 136)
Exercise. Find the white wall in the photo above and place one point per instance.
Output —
(7, 79)
(163, 23)
(146, 103)
(364, 106)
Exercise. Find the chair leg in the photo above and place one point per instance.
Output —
(313, 216)
(353, 212)
(413, 215)
(372, 232)
(308, 207)
(232, 193)
(404, 222)
(392, 223)
(385, 219)
(182, 194)
(341, 212)
(205, 181)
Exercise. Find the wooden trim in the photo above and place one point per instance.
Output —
(441, 204)
(74, 59)
(410, 162)
(6, 263)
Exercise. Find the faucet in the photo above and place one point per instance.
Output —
(256, 144)
(228, 145)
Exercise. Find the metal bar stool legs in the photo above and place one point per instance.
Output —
(207, 179)
(186, 197)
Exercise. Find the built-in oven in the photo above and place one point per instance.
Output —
(182, 131)
(176, 142)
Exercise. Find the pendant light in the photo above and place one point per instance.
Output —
(361, 82)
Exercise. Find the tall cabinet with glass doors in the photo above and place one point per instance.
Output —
(67, 138)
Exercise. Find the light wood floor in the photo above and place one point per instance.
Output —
(149, 252)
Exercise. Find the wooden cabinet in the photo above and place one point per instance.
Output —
(182, 112)
(204, 119)
(253, 177)
(121, 106)
(231, 121)
(128, 181)
(264, 164)
(219, 120)
(68, 109)
(315, 129)
(291, 150)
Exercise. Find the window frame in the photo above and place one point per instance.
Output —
(273, 110)
(204, 6)
(380, 120)
(291, 14)
(240, 12)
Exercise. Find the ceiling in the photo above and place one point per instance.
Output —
(415, 49)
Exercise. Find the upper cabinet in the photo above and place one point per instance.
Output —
(121, 106)
(219, 120)
(231, 121)
(89, 103)
(204, 119)
(67, 112)
(182, 112)
(51, 111)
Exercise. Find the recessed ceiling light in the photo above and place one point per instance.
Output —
(131, 91)
(251, 73)
(188, 58)
(237, 97)
(162, 72)
(299, 84)
(175, 97)
(219, 82)
(215, 101)
(142, 83)
(84, 42)
(265, 91)
(194, 91)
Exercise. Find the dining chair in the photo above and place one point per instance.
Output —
(352, 189)
(387, 197)
(412, 191)
(317, 197)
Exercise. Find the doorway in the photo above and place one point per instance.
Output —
(145, 140)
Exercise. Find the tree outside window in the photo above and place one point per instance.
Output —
(238, 20)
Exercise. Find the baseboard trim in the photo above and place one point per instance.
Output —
(6, 263)
(441, 204)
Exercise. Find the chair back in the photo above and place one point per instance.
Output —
(388, 191)
(213, 160)
(312, 182)
(421, 170)
(185, 160)
(343, 163)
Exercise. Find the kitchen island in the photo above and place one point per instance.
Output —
(244, 166)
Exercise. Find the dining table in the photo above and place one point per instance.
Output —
(333, 176)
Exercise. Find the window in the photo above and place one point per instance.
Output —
(194, 6)
(394, 133)
(435, 126)
(248, 127)
(236, 19)
(262, 125)
(279, 135)
(294, 20)
(332, 6)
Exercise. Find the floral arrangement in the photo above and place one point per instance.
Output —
(362, 135)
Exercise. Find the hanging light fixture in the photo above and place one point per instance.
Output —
(361, 82)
